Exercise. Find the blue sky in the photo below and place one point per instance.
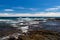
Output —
(29, 6)
(26, 6)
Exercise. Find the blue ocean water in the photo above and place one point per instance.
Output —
(49, 25)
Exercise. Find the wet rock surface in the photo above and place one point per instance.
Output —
(41, 35)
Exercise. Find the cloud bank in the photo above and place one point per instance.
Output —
(8, 10)
(53, 8)
(24, 8)
(38, 14)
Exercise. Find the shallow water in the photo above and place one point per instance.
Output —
(51, 25)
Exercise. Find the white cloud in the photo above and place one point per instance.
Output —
(33, 9)
(43, 14)
(8, 10)
(38, 14)
(18, 7)
(53, 9)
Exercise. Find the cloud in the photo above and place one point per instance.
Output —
(33, 9)
(19, 8)
(38, 14)
(8, 10)
(53, 9)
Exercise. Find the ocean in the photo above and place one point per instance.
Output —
(48, 25)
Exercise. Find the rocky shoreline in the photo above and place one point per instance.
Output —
(40, 35)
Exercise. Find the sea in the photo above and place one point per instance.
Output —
(48, 25)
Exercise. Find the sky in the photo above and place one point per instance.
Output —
(30, 7)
